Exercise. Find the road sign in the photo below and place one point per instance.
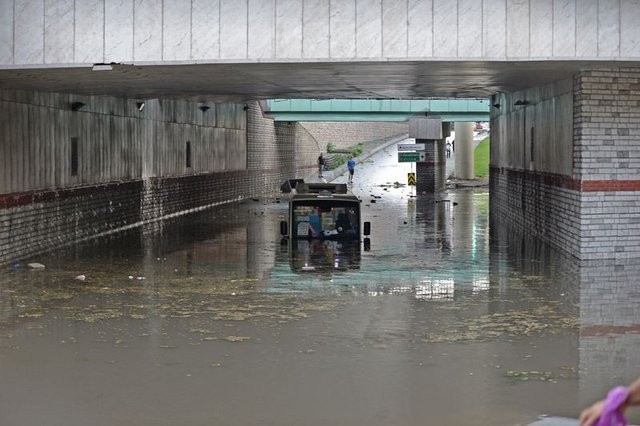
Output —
(411, 147)
(411, 178)
(410, 157)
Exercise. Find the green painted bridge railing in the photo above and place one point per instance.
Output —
(376, 109)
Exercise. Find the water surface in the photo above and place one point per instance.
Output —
(446, 319)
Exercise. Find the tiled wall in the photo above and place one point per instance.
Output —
(37, 32)
(590, 208)
(431, 173)
(607, 161)
(539, 204)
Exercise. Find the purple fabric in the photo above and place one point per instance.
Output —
(611, 414)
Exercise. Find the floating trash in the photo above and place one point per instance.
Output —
(35, 265)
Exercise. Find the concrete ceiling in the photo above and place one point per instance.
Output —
(240, 82)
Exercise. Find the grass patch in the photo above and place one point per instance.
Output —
(341, 156)
(481, 158)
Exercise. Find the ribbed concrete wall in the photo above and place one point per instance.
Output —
(538, 135)
(132, 164)
(38, 32)
(115, 141)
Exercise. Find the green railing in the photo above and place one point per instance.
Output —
(376, 109)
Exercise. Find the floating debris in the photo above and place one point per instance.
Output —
(35, 265)
(236, 338)
(542, 376)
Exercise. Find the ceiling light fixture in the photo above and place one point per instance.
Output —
(77, 106)
(101, 67)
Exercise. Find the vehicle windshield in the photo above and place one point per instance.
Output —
(331, 219)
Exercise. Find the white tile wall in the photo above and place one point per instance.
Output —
(205, 41)
(147, 30)
(587, 28)
(420, 31)
(394, 29)
(28, 32)
(89, 31)
(368, 28)
(176, 30)
(289, 29)
(233, 29)
(342, 27)
(261, 37)
(315, 29)
(59, 34)
(118, 25)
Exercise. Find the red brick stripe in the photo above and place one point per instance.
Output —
(567, 182)
(610, 185)
(608, 330)
(34, 197)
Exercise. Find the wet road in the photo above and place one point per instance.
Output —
(210, 321)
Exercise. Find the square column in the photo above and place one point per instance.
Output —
(431, 172)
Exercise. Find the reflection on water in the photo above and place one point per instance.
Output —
(213, 321)
(323, 256)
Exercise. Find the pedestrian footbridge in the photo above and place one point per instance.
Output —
(448, 110)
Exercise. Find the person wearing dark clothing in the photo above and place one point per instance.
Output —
(320, 165)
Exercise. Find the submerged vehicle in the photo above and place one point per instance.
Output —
(324, 227)
(324, 210)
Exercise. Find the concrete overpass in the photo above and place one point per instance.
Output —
(375, 109)
(161, 95)
(257, 49)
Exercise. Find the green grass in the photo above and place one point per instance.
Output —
(341, 158)
(481, 158)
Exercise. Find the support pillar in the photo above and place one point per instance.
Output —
(463, 151)
(430, 171)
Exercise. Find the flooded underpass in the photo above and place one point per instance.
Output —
(208, 320)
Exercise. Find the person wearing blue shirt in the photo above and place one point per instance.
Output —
(351, 165)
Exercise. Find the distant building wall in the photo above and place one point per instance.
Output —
(346, 134)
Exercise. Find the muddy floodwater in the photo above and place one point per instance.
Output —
(446, 319)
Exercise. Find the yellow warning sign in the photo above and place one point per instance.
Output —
(411, 177)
